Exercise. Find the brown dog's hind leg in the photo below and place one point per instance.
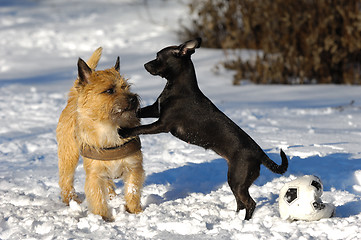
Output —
(68, 161)
(68, 152)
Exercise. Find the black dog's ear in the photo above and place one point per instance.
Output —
(188, 48)
(84, 72)
(116, 66)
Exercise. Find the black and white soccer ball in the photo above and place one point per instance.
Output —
(300, 199)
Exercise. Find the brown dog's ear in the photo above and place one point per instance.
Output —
(117, 65)
(84, 72)
(188, 48)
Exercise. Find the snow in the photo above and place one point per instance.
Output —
(186, 195)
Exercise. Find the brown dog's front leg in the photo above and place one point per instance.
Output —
(154, 128)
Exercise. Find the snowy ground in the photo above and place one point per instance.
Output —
(185, 195)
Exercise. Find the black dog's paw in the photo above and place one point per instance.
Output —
(125, 132)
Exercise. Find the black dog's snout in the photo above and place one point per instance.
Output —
(147, 67)
(152, 67)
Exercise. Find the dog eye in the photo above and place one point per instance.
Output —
(109, 91)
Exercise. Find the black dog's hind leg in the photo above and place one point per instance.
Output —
(241, 175)
(240, 205)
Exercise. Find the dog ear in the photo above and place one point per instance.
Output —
(117, 65)
(188, 48)
(84, 72)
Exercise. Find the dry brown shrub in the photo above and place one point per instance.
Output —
(303, 41)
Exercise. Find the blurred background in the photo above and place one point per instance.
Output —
(294, 42)
(300, 42)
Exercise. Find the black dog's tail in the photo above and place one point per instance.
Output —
(271, 165)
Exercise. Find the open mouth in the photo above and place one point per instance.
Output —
(126, 116)
(124, 110)
(132, 106)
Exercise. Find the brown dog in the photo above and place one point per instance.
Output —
(99, 103)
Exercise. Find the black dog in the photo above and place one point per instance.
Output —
(188, 114)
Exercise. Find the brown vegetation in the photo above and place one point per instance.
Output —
(302, 41)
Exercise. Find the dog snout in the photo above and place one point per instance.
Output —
(133, 102)
(149, 66)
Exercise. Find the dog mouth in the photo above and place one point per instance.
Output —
(132, 105)
(121, 111)
(126, 116)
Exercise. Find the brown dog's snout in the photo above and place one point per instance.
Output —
(129, 102)
(133, 102)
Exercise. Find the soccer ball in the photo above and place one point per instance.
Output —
(300, 200)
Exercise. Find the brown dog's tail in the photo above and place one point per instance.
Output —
(274, 167)
(94, 59)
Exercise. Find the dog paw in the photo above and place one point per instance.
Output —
(135, 209)
(112, 195)
(125, 132)
(240, 206)
(68, 196)
(111, 192)
(77, 199)
(108, 218)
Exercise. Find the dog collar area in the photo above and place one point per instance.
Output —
(111, 153)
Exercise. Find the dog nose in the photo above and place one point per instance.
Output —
(133, 101)
(146, 66)
(149, 68)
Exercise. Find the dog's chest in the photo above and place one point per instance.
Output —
(115, 169)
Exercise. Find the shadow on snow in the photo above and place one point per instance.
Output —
(192, 178)
(335, 170)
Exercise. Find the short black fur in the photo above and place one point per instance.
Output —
(184, 111)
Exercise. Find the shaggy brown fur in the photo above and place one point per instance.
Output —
(99, 103)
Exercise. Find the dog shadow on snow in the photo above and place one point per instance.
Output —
(335, 170)
(195, 178)
(191, 178)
